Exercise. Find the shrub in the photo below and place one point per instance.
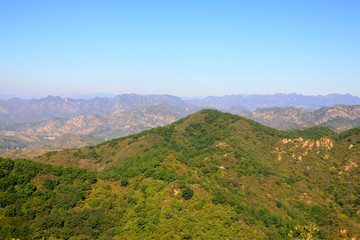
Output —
(124, 182)
(187, 193)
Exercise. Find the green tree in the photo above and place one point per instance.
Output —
(124, 182)
(187, 193)
(303, 232)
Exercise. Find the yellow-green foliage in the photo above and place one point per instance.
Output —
(208, 176)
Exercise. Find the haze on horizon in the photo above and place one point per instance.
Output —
(183, 48)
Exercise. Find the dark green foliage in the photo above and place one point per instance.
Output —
(48, 154)
(132, 167)
(67, 197)
(93, 154)
(10, 211)
(187, 193)
(165, 132)
(250, 167)
(49, 184)
(23, 201)
(132, 200)
(94, 203)
(124, 182)
(219, 197)
(165, 175)
(313, 132)
(6, 164)
(208, 176)
(349, 133)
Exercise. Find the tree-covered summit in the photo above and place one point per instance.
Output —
(211, 175)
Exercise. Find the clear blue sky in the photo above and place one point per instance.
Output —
(180, 47)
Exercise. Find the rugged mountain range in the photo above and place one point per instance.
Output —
(17, 110)
(24, 146)
(210, 175)
(252, 102)
(35, 110)
(27, 125)
(105, 126)
(338, 117)
(29, 139)
(124, 122)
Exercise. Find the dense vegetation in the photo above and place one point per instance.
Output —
(208, 176)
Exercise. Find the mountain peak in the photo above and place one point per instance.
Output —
(209, 165)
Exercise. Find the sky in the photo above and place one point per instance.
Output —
(181, 47)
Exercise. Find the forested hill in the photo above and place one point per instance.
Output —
(210, 175)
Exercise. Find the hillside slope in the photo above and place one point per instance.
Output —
(31, 138)
(210, 175)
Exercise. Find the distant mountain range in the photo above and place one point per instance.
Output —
(58, 133)
(17, 110)
(252, 102)
(54, 122)
(104, 126)
(338, 117)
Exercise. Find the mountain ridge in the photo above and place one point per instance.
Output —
(210, 175)
(252, 102)
(338, 117)
(99, 127)
(35, 110)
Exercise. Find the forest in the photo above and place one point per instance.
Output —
(210, 175)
